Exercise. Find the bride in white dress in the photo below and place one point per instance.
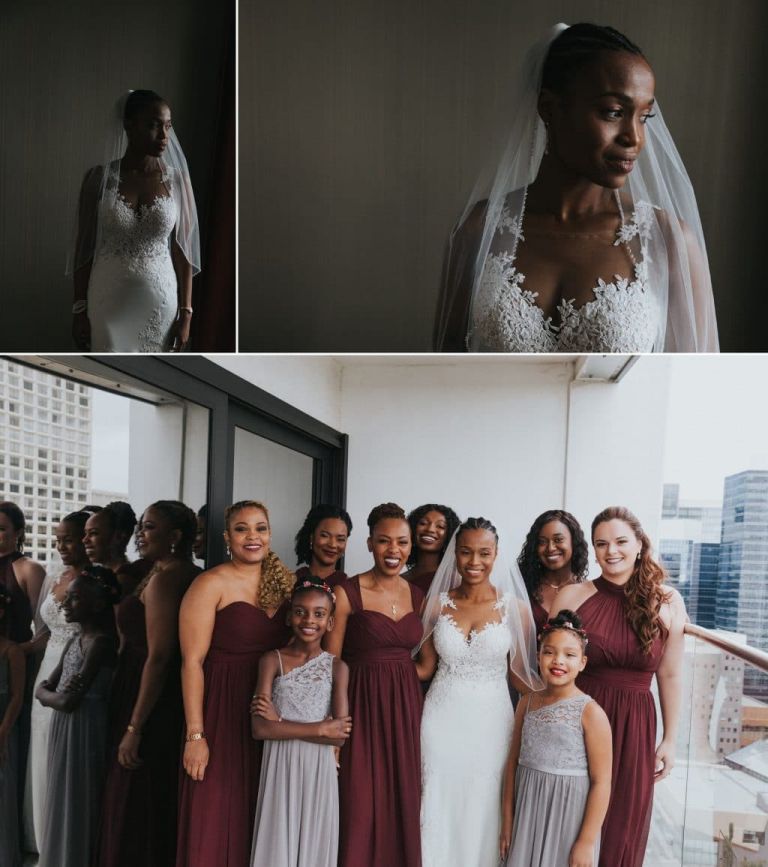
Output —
(479, 634)
(137, 246)
(583, 233)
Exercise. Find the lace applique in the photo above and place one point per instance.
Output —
(622, 317)
(553, 738)
(510, 224)
(639, 225)
(304, 693)
(152, 335)
(53, 616)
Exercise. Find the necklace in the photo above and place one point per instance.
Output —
(394, 607)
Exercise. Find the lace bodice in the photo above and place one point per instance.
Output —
(72, 662)
(479, 658)
(553, 739)
(140, 233)
(304, 693)
(622, 317)
(53, 617)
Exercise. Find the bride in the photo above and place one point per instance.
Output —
(137, 242)
(478, 628)
(583, 235)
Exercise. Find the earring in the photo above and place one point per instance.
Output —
(229, 553)
(173, 547)
(639, 555)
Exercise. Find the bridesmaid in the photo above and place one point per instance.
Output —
(231, 615)
(51, 637)
(107, 534)
(635, 628)
(554, 554)
(138, 823)
(11, 697)
(432, 528)
(377, 626)
(321, 543)
(22, 578)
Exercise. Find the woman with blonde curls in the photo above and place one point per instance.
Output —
(231, 615)
(635, 629)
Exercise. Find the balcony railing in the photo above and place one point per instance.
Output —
(712, 810)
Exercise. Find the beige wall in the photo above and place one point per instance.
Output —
(363, 125)
(62, 68)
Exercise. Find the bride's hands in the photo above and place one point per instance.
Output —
(179, 336)
(81, 331)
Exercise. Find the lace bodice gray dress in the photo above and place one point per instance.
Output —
(77, 753)
(36, 786)
(465, 733)
(623, 315)
(297, 813)
(132, 292)
(551, 785)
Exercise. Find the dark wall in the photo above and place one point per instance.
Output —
(363, 126)
(62, 68)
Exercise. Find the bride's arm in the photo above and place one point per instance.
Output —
(180, 330)
(426, 661)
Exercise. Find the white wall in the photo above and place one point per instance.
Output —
(485, 436)
(312, 384)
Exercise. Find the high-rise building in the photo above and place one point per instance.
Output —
(742, 589)
(689, 538)
(45, 449)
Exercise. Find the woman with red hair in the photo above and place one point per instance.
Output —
(635, 629)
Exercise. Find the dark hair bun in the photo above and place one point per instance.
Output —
(563, 617)
(384, 511)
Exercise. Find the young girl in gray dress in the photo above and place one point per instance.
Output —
(78, 691)
(558, 776)
(300, 709)
(12, 674)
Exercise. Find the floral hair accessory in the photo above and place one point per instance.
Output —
(553, 624)
(317, 584)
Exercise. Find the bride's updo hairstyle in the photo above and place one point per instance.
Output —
(384, 511)
(644, 590)
(138, 100)
(477, 524)
(577, 47)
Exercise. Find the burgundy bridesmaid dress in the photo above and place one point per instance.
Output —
(138, 822)
(618, 676)
(380, 774)
(216, 815)
(338, 577)
(424, 582)
(540, 614)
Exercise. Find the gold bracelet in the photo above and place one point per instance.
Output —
(132, 729)
(196, 736)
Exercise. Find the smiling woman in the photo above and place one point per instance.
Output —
(590, 207)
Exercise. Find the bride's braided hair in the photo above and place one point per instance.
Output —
(478, 524)
(577, 47)
(277, 580)
(644, 591)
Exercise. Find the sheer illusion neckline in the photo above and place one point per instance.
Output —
(139, 208)
(472, 635)
(623, 235)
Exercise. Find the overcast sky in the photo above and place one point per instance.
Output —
(717, 423)
(109, 449)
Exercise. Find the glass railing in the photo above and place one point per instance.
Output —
(712, 810)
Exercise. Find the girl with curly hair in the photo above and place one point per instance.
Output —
(554, 554)
(377, 626)
(432, 528)
(231, 615)
(321, 543)
(635, 628)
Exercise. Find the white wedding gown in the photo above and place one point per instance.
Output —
(37, 762)
(466, 729)
(622, 317)
(132, 292)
